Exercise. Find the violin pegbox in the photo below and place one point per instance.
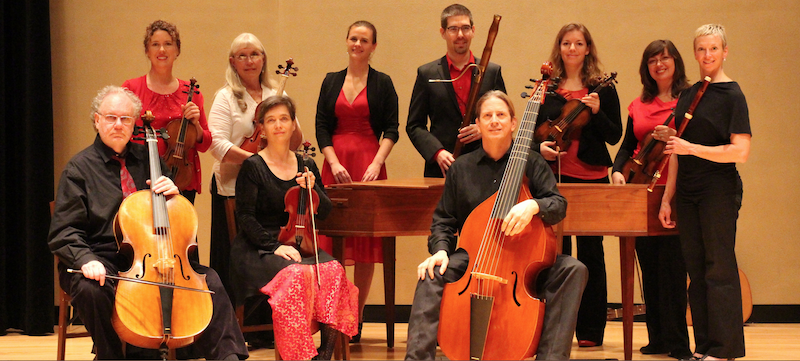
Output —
(609, 80)
(287, 70)
(308, 150)
(192, 86)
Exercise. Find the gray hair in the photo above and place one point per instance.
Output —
(113, 89)
(712, 29)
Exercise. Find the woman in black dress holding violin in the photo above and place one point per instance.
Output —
(299, 303)
(586, 160)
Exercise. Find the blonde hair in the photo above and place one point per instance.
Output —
(712, 29)
(592, 70)
(232, 79)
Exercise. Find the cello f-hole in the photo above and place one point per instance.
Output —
(180, 262)
(467, 287)
(144, 266)
(514, 290)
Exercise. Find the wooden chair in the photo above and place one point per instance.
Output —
(65, 320)
(65, 317)
(342, 350)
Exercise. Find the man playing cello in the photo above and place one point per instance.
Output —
(91, 189)
(472, 179)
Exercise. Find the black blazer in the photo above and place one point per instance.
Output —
(603, 127)
(438, 102)
(382, 99)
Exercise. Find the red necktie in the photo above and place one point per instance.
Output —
(125, 178)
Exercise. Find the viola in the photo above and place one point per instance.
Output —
(257, 140)
(158, 232)
(574, 116)
(301, 203)
(641, 168)
(491, 312)
(182, 137)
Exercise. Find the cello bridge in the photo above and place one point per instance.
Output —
(484, 276)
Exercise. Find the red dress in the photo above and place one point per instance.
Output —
(356, 147)
(166, 108)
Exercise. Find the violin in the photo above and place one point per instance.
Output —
(301, 203)
(641, 168)
(574, 116)
(492, 313)
(181, 166)
(158, 233)
(257, 140)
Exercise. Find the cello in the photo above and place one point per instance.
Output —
(300, 231)
(256, 141)
(574, 116)
(158, 232)
(491, 312)
(182, 168)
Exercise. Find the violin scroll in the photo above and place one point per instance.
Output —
(287, 70)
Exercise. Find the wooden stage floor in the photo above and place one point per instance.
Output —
(763, 341)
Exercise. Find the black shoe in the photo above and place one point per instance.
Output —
(357, 337)
(653, 349)
(681, 354)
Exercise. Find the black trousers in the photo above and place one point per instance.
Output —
(220, 259)
(594, 304)
(664, 288)
(95, 305)
(708, 236)
(560, 286)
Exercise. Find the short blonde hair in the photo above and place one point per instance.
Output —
(712, 29)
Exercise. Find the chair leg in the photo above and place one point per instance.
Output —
(62, 326)
(342, 349)
(240, 316)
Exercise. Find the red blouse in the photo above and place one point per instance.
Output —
(166, 108)
(570, 164)
(645, 118)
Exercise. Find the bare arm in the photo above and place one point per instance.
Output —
(665, 213)
(340, 173)
(736, 152)
(374, 169)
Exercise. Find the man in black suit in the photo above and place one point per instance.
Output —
(445, 103)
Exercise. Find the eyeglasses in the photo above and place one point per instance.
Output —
(465, 29)
(112, 119)
(244, 57)
(655, 60)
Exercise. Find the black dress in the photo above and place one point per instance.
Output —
(260, 214)
(301, 295)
